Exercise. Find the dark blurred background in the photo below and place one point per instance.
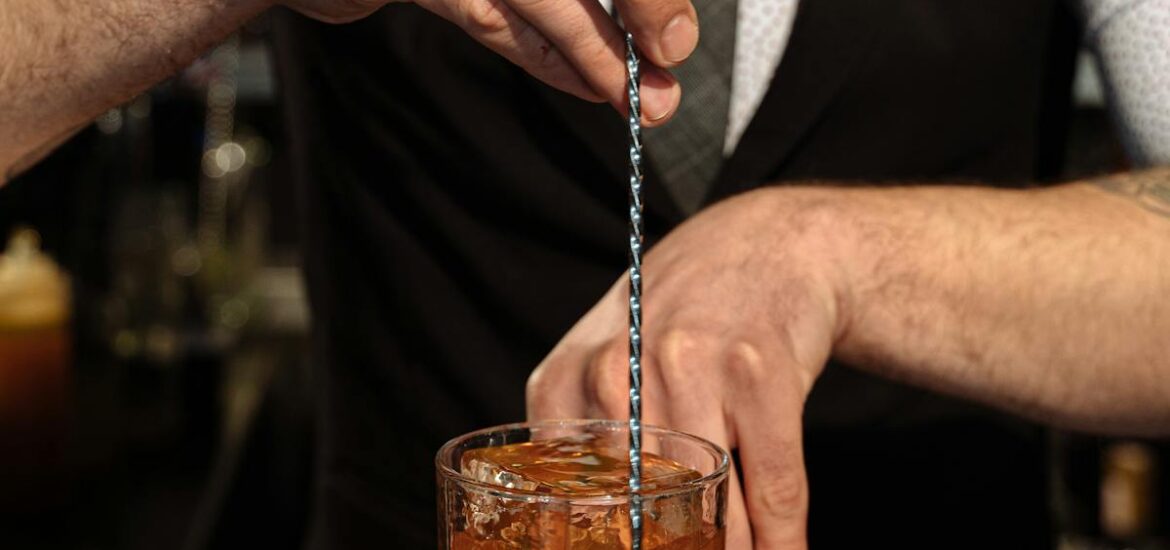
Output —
(184, 415)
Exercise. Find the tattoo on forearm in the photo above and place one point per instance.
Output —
(1150, 188)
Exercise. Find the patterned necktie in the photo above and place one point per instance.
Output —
(688, 151)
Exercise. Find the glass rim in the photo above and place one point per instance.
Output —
(445, 470)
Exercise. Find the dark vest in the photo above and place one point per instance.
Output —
(460, 217)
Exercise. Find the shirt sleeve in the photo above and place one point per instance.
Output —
(1131, 40)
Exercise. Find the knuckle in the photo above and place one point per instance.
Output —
(779, 498)
(579, 34)
(537, 384)
(673, 348)
(679, 367)
(576, 34)
(615, 354)
(540, 54)
(605, 48)
(484, 16)
(539, 397)
(606, 380)
(546, 56)
(745, 363)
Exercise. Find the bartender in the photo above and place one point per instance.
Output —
(854, 281)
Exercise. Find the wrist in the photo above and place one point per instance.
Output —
(875, 256)
(849, 241)
(815, 253)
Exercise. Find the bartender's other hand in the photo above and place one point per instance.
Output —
(740, 315)
(572, 45)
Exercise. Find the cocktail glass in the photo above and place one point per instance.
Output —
(563, 485)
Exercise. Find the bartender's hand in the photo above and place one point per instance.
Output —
(979, 293)
(739, 320)
(572, 45)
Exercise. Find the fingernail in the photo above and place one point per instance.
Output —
(679, 38)
(660, 94)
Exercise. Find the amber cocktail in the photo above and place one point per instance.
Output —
(563, 485)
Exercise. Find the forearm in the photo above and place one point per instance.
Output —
(63, 62)
(1049, 303)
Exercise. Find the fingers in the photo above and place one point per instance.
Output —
(593, 43)
(696, 408)
(772, 457)
(575, 382)
(554, 390)
(758, 411)
(666, 31)
(739, 529)
(563, 386)
(496, 25)
(775, 489)
(705, 420)
(572, 45)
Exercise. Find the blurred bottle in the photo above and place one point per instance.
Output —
(1110, 494)
(34, 375)
(1128, 494)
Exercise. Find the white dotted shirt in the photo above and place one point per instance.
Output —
(762, 28)
(1131, 39)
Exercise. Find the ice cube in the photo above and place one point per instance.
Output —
(485, 470)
